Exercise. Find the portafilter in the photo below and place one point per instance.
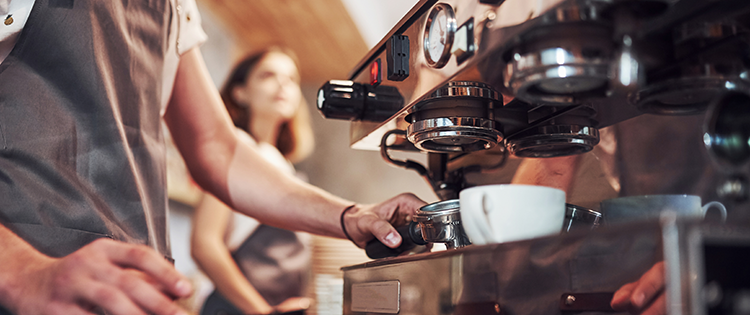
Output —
(438, 222)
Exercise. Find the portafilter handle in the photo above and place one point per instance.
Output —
(410, 235)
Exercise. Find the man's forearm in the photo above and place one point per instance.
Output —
(237, 175)
(106, 274)
(273, 197)
(233, 171)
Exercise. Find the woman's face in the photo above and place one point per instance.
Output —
(272, 88)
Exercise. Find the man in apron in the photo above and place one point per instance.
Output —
(82, 158)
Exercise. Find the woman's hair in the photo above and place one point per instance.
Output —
(295, 140)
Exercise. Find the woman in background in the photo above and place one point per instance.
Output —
(258, 269)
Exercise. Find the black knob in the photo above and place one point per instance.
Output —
(348, 100)
(375, 249)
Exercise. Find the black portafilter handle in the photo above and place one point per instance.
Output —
(411, 237)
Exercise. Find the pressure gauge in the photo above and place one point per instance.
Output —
(438, 35)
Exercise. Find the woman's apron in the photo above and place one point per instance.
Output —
(275, 261)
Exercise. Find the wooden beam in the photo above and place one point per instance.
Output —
(320, 32)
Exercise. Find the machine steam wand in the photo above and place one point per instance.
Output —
(445, 184)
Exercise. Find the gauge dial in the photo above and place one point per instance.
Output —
(438, 35)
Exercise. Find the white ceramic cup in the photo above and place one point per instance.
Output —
(505, 213)
(626, 209)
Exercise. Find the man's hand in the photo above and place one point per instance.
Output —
(645, 296)
(364, 222)
(107, 275)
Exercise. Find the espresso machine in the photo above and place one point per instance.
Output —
(471, 82)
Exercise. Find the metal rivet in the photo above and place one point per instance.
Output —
(9, 19)
(570, 300)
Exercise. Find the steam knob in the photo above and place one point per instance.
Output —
(348, 100)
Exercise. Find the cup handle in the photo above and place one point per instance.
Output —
(717, 205)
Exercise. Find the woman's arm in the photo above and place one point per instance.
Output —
(210, 252)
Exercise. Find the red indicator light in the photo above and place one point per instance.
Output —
(375, 72)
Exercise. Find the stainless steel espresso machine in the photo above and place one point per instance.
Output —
(469, 82)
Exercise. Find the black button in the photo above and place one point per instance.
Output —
(397, 57)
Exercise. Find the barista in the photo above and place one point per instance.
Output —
(82, 170)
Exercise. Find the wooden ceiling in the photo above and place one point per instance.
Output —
(321, 32)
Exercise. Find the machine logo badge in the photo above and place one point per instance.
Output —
(376, 297)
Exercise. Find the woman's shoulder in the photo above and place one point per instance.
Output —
(245, 137)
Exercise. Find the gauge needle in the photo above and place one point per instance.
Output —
(442, 29)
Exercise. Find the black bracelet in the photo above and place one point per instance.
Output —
(343, 227)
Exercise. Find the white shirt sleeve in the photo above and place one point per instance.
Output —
(13, 16)
(190, 33)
